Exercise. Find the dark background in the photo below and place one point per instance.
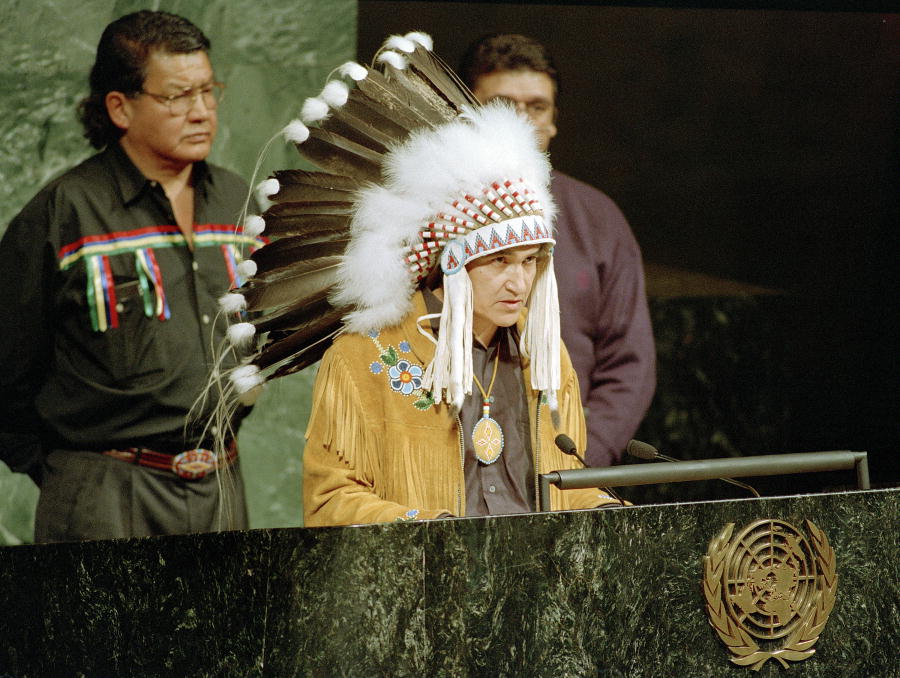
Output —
(749, 148)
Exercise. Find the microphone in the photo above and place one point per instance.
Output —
(642, 450)
(567, 446)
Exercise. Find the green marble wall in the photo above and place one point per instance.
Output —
(271, 54)
(609, 593)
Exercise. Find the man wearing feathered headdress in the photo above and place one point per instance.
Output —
(446, 401)
(447, 383)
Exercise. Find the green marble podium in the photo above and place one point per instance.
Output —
(613, 593)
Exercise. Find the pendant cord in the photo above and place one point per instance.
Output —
(486, 396)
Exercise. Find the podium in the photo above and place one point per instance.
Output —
(610, 593)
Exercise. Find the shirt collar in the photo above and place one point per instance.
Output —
(131, 181)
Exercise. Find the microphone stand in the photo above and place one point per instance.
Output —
(643, 450)
(762, 465)
(567, 446)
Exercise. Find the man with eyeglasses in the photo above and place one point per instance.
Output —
(603, 305)
(111, 276)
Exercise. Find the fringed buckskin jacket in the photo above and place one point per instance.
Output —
(378, 449)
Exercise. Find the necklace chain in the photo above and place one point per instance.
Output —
(486, 396)
(487, 436)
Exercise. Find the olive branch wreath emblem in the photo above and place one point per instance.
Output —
(798, 643)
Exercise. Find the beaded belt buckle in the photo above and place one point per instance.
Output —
(194, 464)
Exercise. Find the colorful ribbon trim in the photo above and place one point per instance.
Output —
(232, 259)
(97, 249)
(148, 269)
(155, 237)
(101, 294)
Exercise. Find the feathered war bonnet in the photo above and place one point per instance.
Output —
(418, 180)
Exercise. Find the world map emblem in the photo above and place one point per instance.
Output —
(769, 590)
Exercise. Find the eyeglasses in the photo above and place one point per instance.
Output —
(533, 109)
(179, 104)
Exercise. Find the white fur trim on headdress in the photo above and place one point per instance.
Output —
(296, 132)
(353, 70)
(232, 302)
(432, 168)
(372, 277)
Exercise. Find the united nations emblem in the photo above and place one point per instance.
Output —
(769, 590)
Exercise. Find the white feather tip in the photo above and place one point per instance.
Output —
(296, 132)
(335, 93)
(314, 110)
(247, 268)
(422, 39)
(254, 225)
(241, 334)
(266, 188)
(232, 302)
(400, 43)
(393, 59)
(354, 71)
(246, 377)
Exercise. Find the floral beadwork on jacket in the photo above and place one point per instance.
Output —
(404, 376)
(409, 516)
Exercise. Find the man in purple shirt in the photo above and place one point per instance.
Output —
(605, 321)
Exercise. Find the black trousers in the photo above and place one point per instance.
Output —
(87, 495)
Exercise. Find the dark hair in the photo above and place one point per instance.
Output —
(506, 52)
(121, 63)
